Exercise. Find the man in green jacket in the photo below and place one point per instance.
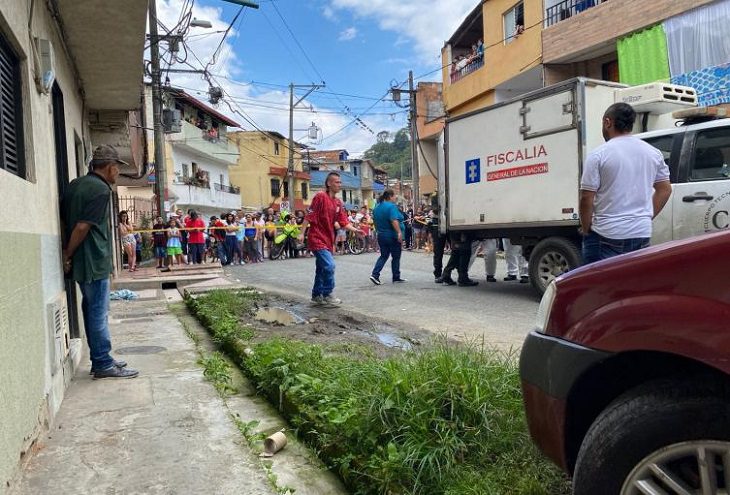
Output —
(87, 255)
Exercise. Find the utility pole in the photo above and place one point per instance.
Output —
(414, 146)
(159, 136)
(292, 106)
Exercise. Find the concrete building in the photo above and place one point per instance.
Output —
(529, 44)
(584, 43)
(261, 170)
(69, 77)
(511, 60)
(430, 121)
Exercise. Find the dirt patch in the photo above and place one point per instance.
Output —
(276, 316)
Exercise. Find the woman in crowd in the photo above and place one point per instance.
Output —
(196, 240)
(174, 243)
(129, 244)
(250, 240)
(270, 231)
(259, 223)
(232, 247)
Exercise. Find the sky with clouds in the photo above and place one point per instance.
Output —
(358, 48)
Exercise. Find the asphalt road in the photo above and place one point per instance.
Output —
(500, 313)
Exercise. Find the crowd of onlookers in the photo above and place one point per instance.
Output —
(239, 237)
(465, 64)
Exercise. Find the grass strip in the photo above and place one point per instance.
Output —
(444, 420)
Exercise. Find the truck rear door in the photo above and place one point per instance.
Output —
(701, 197)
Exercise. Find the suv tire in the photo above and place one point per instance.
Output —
(644, 420)
(550, 258)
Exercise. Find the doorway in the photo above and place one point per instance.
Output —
(59, 137)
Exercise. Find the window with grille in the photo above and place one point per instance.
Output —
(305, 191)
(275, 187)
(12, 156)
(286, 189)
(276, 148)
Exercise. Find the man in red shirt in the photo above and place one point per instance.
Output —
(325, 214)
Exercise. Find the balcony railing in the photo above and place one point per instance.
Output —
(566, 9)
(228, 189)
(472, 66)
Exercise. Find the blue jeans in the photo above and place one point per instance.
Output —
(389, 246)
(221, 248)
(95, 307)
(597, 247)
(324, 276)
(232, 248)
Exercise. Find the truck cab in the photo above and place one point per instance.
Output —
(698, 156)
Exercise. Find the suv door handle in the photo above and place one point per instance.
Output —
(702, 196)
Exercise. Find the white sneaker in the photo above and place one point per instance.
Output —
(331, 302)
(317, 300)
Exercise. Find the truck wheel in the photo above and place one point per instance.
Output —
(551, 258)
(666, 436)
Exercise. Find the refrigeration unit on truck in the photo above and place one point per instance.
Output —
(513, 169)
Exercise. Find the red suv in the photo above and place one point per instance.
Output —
(626, 378)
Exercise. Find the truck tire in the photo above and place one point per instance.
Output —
(660, 431)
(552, 257)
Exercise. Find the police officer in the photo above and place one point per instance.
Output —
(439, 243)
(459, 260)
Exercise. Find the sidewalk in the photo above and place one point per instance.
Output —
(165, 432)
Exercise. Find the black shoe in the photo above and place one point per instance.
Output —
(448, 281)
(438, 280)
(468, 283)
(115, 372)
(398, 280)
(491, 278)
(375, 280)
(118, 364)
(510, 278)
(524, 280)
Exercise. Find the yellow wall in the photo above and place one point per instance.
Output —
(501, 61)
(256, 157)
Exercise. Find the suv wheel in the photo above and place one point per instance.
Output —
(666, 436)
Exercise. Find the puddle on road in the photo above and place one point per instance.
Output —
(278, 316)
(390, 340)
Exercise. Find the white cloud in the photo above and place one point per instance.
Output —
(425, 22)
(348, 34)
(253, 100)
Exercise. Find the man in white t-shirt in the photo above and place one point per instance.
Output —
(625, 184)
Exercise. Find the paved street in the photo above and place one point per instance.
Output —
(501, 313)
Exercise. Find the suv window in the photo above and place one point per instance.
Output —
(711, 155)
(663, 144)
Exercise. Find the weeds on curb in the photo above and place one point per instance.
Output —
(217, 370)
(444, 420)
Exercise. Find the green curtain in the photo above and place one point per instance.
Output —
(643, 56)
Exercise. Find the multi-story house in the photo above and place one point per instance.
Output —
(528, 44)
(197, 156)
(68, 79)
(640, 42)
(198, 151)
(494, 55)
(262, 171)
(430, 123)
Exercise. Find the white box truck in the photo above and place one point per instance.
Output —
(513, 169)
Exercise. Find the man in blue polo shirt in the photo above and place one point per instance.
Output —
(389, 225)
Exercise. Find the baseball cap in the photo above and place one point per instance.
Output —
(107, 153)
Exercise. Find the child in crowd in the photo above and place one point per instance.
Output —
(174, 243)
(159, 240)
